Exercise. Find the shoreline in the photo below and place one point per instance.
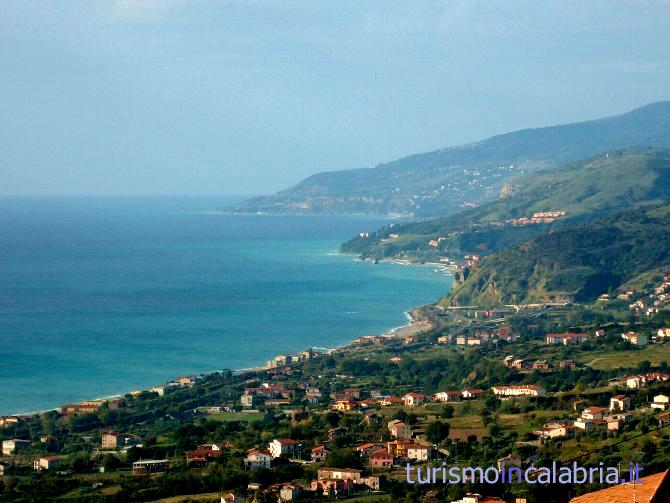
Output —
(411, 328)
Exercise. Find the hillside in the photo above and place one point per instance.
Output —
(444, 181)
(573, 263)
(584, 190)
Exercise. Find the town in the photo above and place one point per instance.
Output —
(507, 386)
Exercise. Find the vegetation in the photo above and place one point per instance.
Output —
(441, 182)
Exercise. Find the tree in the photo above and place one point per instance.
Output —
(437, 431)
(448, 411)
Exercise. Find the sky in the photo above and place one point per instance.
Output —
(194, 97)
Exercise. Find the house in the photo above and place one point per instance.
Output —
(82, 408)
(443, 339)
(231, 498)
(651, 489)
(381, 459)
(635, 338)
(413, 399)
(507, 461)
(339, 474)
(660, 402)
(663, 332)
(148, 466)
(345, 405)
(620, 402)
(541, 365)
(391, 400)
(319, 453)
(556, 429)
(332, 488)
(6, 421)
(364, 450)
(249, 400)
(203, 454)
(47, 463)
(448, 396)
(313, 395)
(519, 390)
(12, 446)
(583, 424)
(338, 432)
(114, 440)
(289, 492)
(520, 364)
(419, 452)
(282, 447)
(5, 468)
(566, 338)
(257, 458)
(398, 447)
(478, 498)
(472, 393)
(593, 413)
(399, 429)
(568, 364)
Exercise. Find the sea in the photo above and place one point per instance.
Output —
(103, 295)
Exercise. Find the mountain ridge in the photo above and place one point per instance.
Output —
(447, 180)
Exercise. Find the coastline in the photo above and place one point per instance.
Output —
(413, 327)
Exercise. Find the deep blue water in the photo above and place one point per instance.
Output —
(103, 295)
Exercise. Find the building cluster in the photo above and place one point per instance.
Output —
(539, 217)
(639, 380)
(649, 302)
(514, 362)
(523, 390)
(284, 360)
(485, 337)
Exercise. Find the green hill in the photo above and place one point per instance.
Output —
(575, 263)
(446, 181)
(584, 190)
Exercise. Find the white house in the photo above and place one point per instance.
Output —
(661, 402)
(448, 396)
(11, 446)
(282, 446)
(413, 399)
(620, 402)
(419, 452)
(593, 413)
(257, 458)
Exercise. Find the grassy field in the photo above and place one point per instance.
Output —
(235, 416)
(200, 498)
(609, 360)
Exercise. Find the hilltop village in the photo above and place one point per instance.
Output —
(510, 386)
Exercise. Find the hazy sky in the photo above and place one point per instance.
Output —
(241, 97)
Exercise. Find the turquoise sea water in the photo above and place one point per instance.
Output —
(103, 295)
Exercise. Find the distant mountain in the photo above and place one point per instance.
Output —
(584, 190)
(445, 181)
(572, 264)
